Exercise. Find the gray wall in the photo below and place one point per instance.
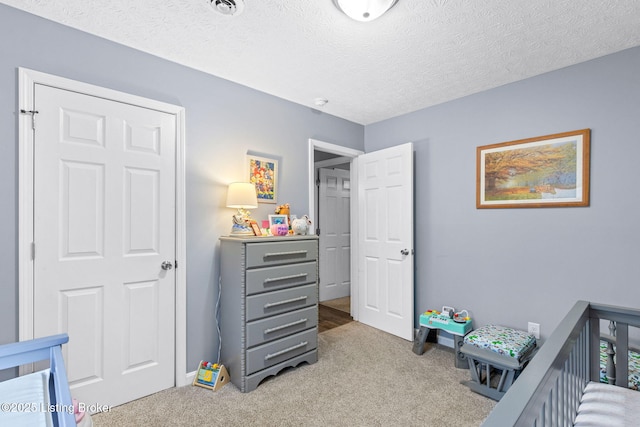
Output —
(223, 121)
(510, 266)
(506, 266)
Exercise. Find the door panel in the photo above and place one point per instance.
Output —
(82, 316)
(335, 233)
(385, 185)
(141, 325)
(141, 231)
(104, 221)
(82, 204)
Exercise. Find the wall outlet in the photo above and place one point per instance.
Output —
(534, 329)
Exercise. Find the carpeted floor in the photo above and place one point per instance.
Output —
(364, 377)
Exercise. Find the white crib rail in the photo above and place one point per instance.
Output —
(548, 391)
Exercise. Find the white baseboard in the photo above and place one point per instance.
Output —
(190, 376)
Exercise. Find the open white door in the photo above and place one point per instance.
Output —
(385, 238)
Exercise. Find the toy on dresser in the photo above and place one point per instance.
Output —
(301, 226)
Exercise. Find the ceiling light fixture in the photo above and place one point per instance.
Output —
(364, 10)
(227, 7)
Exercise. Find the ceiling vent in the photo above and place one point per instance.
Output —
(227, 7)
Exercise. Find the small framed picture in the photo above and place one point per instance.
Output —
(263, 173)
(278, 219)
(256, 228)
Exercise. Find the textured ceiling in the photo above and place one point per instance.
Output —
(421, 53)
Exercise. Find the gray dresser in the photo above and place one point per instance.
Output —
(268, 306)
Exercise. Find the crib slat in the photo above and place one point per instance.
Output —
(574, 374)
(622, 355)
(594, 350)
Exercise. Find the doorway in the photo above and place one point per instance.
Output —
(381, 238)
(330, 205)
(333, 188)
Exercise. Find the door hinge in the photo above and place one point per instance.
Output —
(33, 117)
(176, 263)
(33, 251)
(317, 183)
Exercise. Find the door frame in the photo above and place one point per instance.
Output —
(351, 154)
(27, 79)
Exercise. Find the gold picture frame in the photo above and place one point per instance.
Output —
(540, 172)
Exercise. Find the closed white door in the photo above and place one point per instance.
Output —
(385, 234)
(335, 233)
(104, 223)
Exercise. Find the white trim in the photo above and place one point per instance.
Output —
(355, 238)
(181, 250)
(352, 156)
(189, 377)
(332, 162)
(25, 208)
(27, 80)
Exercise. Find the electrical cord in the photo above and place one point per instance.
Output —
(218, 317)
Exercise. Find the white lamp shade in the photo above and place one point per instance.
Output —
(242, 195)
(364, 10)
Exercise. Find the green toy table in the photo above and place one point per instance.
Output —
(432, 319)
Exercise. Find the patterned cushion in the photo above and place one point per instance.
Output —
(502, 340)
(634, 367)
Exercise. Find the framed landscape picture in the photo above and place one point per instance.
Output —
(263, 173)
(546, 171)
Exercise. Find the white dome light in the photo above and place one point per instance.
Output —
(364, 10)
(227, 7)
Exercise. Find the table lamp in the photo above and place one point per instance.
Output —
(242, 196)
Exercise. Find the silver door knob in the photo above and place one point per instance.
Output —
(405, 252)
(167, 265)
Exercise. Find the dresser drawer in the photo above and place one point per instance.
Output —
(285, 252)
(279, 277)
(270, 303)
(278, 351)
(271, 328)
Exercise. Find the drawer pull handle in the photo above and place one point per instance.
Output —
(277, 328)
(277, 279)
(287, 301)
(270, 254)
(286, 350)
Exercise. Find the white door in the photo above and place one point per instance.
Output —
(385, 235)
(104, 222)
(335, 234)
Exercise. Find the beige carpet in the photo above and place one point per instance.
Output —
(342, 304)
(364, 377)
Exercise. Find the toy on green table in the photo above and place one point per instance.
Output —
(458, 325)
